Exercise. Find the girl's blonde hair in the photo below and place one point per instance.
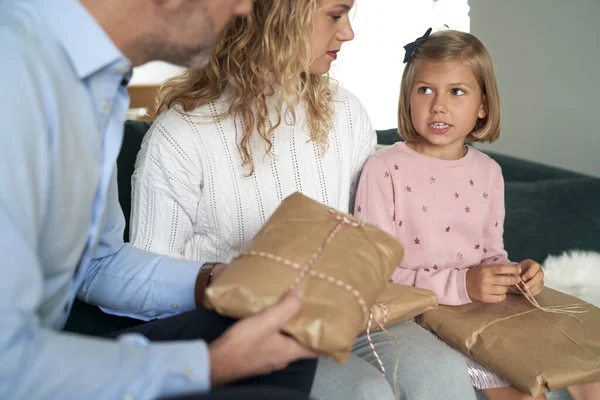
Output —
(262, 62)
(465, 48)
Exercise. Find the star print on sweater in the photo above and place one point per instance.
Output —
(452, 215)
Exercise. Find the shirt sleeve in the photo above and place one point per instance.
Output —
(448, 284)
(132, 282)
(37, 362)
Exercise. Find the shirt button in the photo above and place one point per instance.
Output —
(122, 69)
(175, 305)
(106, 105)
(128, 396)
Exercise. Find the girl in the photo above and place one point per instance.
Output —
(262, 121)
(443, 199)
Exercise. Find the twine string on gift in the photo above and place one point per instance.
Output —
(385, 317)
(381, 325)
(567, 309)
(315, 255)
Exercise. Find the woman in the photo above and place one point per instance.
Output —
(262, 121)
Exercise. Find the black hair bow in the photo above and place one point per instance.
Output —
(412, 47)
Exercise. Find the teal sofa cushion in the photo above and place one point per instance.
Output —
(551, 216)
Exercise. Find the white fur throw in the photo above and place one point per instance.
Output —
(576, 273)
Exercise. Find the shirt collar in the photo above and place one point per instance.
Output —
(87, 45)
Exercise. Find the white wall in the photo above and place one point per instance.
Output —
(153, 73)
(371, 65)
(547, 59)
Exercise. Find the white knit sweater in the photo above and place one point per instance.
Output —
(193, 199)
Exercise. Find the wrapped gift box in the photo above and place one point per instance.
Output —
(535, 350)
(340, 264)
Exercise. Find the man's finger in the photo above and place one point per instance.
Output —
(278, 314)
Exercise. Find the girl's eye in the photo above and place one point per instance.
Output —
(336, 17)
(425, 90)
(457, 92)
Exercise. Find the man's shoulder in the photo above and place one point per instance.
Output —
(24, 44)
(20, 26)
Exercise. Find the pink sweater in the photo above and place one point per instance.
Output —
(449, 215)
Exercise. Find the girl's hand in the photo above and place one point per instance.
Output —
(490, 283)
(533, 276)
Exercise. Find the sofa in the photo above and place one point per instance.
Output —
(548, 211)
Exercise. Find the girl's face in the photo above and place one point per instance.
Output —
(445, 102)
(332, 28)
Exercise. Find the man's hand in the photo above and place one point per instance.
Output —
(255, 345)
(490, 283)
(533, 276)
(218, 270)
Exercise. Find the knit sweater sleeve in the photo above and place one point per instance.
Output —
(375, 197)
(494, 252)
(366, 141)
(165, 189)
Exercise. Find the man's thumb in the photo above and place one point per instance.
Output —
(280, 313)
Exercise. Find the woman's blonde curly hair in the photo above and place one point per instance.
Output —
(260, 60)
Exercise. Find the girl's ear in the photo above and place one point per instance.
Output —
(483, 109)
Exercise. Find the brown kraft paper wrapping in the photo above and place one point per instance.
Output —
(341, 277)
(400, 303)
(533, 349)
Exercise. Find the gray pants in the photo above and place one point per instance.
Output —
(427, 369)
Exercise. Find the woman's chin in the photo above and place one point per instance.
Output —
(320, 68)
